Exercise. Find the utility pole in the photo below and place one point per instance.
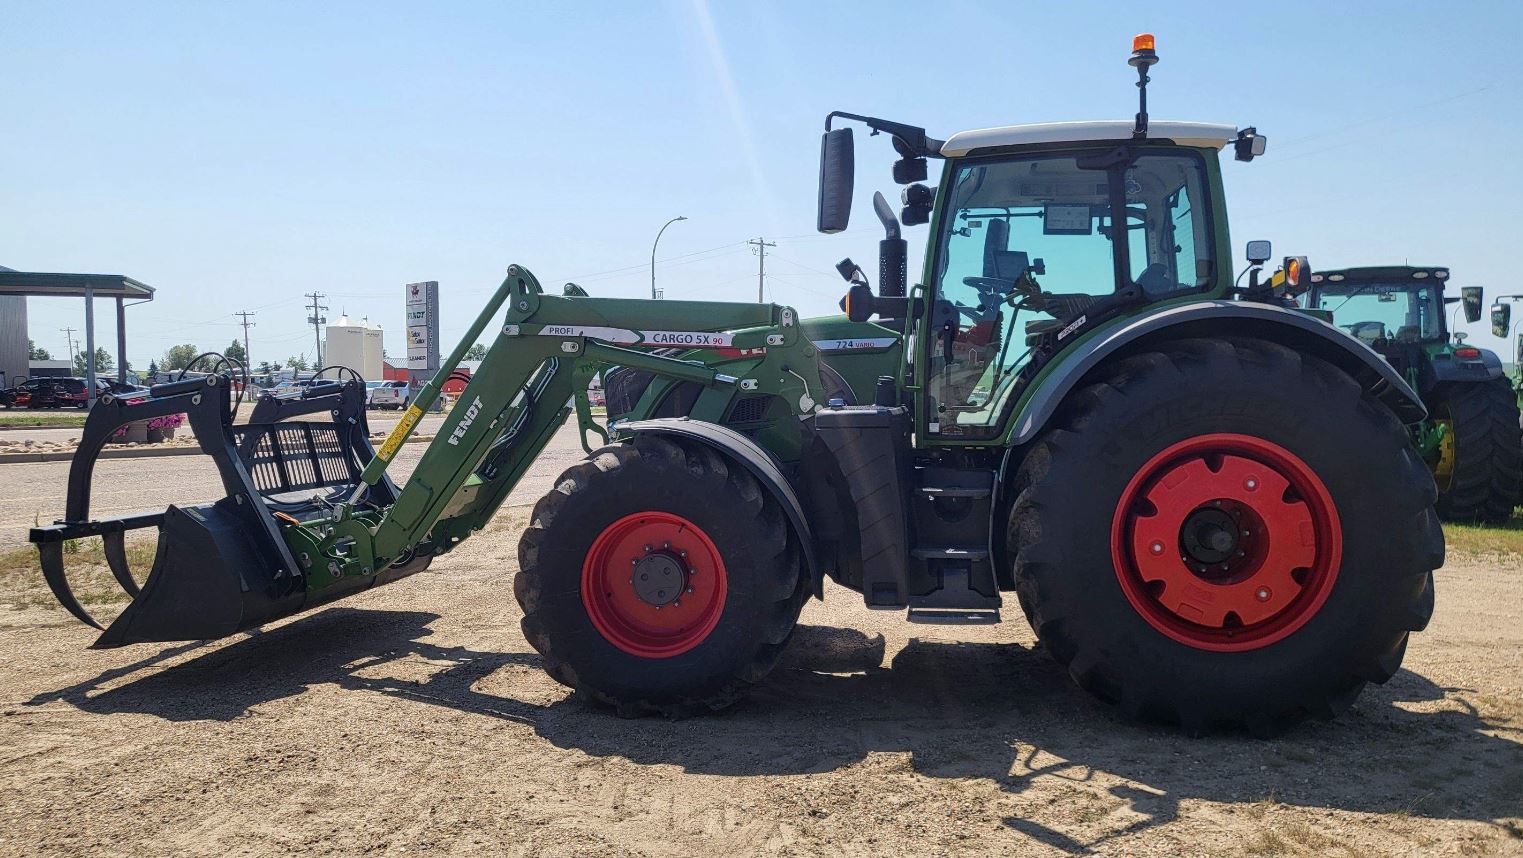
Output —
(247, 358)
(317, 320)
(761, 245)
(68, 334)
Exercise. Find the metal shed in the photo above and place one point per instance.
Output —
(24, 284)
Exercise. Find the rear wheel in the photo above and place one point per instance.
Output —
(659, 577)
(1480, 467)
(1225, 533)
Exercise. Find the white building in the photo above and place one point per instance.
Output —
(355, 344)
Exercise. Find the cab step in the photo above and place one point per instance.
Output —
(953, 616)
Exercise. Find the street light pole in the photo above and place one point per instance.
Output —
(653, 254)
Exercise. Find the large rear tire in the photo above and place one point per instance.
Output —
(659, 577)
(1481, 474)
(1225, 533)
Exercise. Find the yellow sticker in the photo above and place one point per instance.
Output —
(410, 418)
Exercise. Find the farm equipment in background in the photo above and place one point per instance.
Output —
(1472, 439)
(1205, 503)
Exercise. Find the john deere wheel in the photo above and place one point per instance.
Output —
(1225, 533)
(1480, 468)
(659, 577)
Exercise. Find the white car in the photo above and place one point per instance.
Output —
(391, 394)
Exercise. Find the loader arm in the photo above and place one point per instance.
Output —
(310, 515)
(538, 362)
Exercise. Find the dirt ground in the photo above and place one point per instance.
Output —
(415, 718)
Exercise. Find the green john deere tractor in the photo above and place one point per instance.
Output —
(1472, 438)
(1204, 500)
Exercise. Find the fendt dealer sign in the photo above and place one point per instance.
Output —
(422, 329)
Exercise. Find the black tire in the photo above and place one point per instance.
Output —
(765, 591)
(1071, 482)
(1487, 472)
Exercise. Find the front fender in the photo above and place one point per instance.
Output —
(749, 454)
(1217, 319)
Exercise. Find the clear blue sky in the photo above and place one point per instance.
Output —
(235, 159)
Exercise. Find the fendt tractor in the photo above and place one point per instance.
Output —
(1472, 439)
(1204, 500)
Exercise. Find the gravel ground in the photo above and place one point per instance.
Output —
(415, 718)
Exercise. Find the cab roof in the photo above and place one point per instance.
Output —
(1208, 134)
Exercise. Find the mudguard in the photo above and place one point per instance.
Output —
(1484, 368)
(1282, 325)
(742, 449)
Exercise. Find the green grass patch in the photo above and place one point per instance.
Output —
(21, 584)
(42, 419)
(1504, 540)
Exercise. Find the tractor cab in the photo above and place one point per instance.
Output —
(1041, 235)
(1400, 311)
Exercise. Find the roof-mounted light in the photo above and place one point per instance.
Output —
(1441, 274)
(1142, 42)
(1336, 278)
(1419, 275)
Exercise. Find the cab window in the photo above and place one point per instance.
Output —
(1043, 225)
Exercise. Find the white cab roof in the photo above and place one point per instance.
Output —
(1209, 134)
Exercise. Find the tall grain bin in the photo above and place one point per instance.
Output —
(355, 344)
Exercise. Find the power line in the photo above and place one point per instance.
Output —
(761, 245)
(317, 320)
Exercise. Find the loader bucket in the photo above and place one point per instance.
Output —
(222, 567)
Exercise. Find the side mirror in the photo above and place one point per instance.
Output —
(1471, 297)
(1259, 252)
(1501, 319)
(837, 172)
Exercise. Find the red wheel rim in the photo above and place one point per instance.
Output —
(653, 584)
(1170, 542)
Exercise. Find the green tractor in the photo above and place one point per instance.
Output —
(1472, 439)
(1204, 501)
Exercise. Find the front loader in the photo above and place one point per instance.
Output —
(1203, 500)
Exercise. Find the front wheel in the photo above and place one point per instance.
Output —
(1225, 533)
(659, 577)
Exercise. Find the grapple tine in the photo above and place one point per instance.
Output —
(51, 556)
(115, 549)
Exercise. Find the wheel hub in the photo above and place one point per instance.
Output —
(1226, 542)
(1209, 536)
(659, 578)
(654, 584)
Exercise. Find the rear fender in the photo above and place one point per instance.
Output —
(737, 447)
(1216, 319)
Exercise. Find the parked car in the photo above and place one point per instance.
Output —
(391, 394)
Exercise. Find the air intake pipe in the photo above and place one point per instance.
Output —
(892, 251)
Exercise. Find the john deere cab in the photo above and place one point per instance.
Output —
(1472, 439)
(1203, 500)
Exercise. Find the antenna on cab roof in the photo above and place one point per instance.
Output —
(1143, 56)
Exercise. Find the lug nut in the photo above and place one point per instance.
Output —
(1251, 484)
(1262, 594)
(690, 589)
(1156, 548)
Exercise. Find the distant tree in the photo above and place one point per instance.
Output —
(178, 357)
(153, 368)
(265, 368)
(103, 363)
(476, 352)
(298, 363)
(236, 352)
(36, 352)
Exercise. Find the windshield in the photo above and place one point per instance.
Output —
(1046, 221)
(1374, 312)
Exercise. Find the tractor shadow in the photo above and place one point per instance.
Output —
(1003, 713)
